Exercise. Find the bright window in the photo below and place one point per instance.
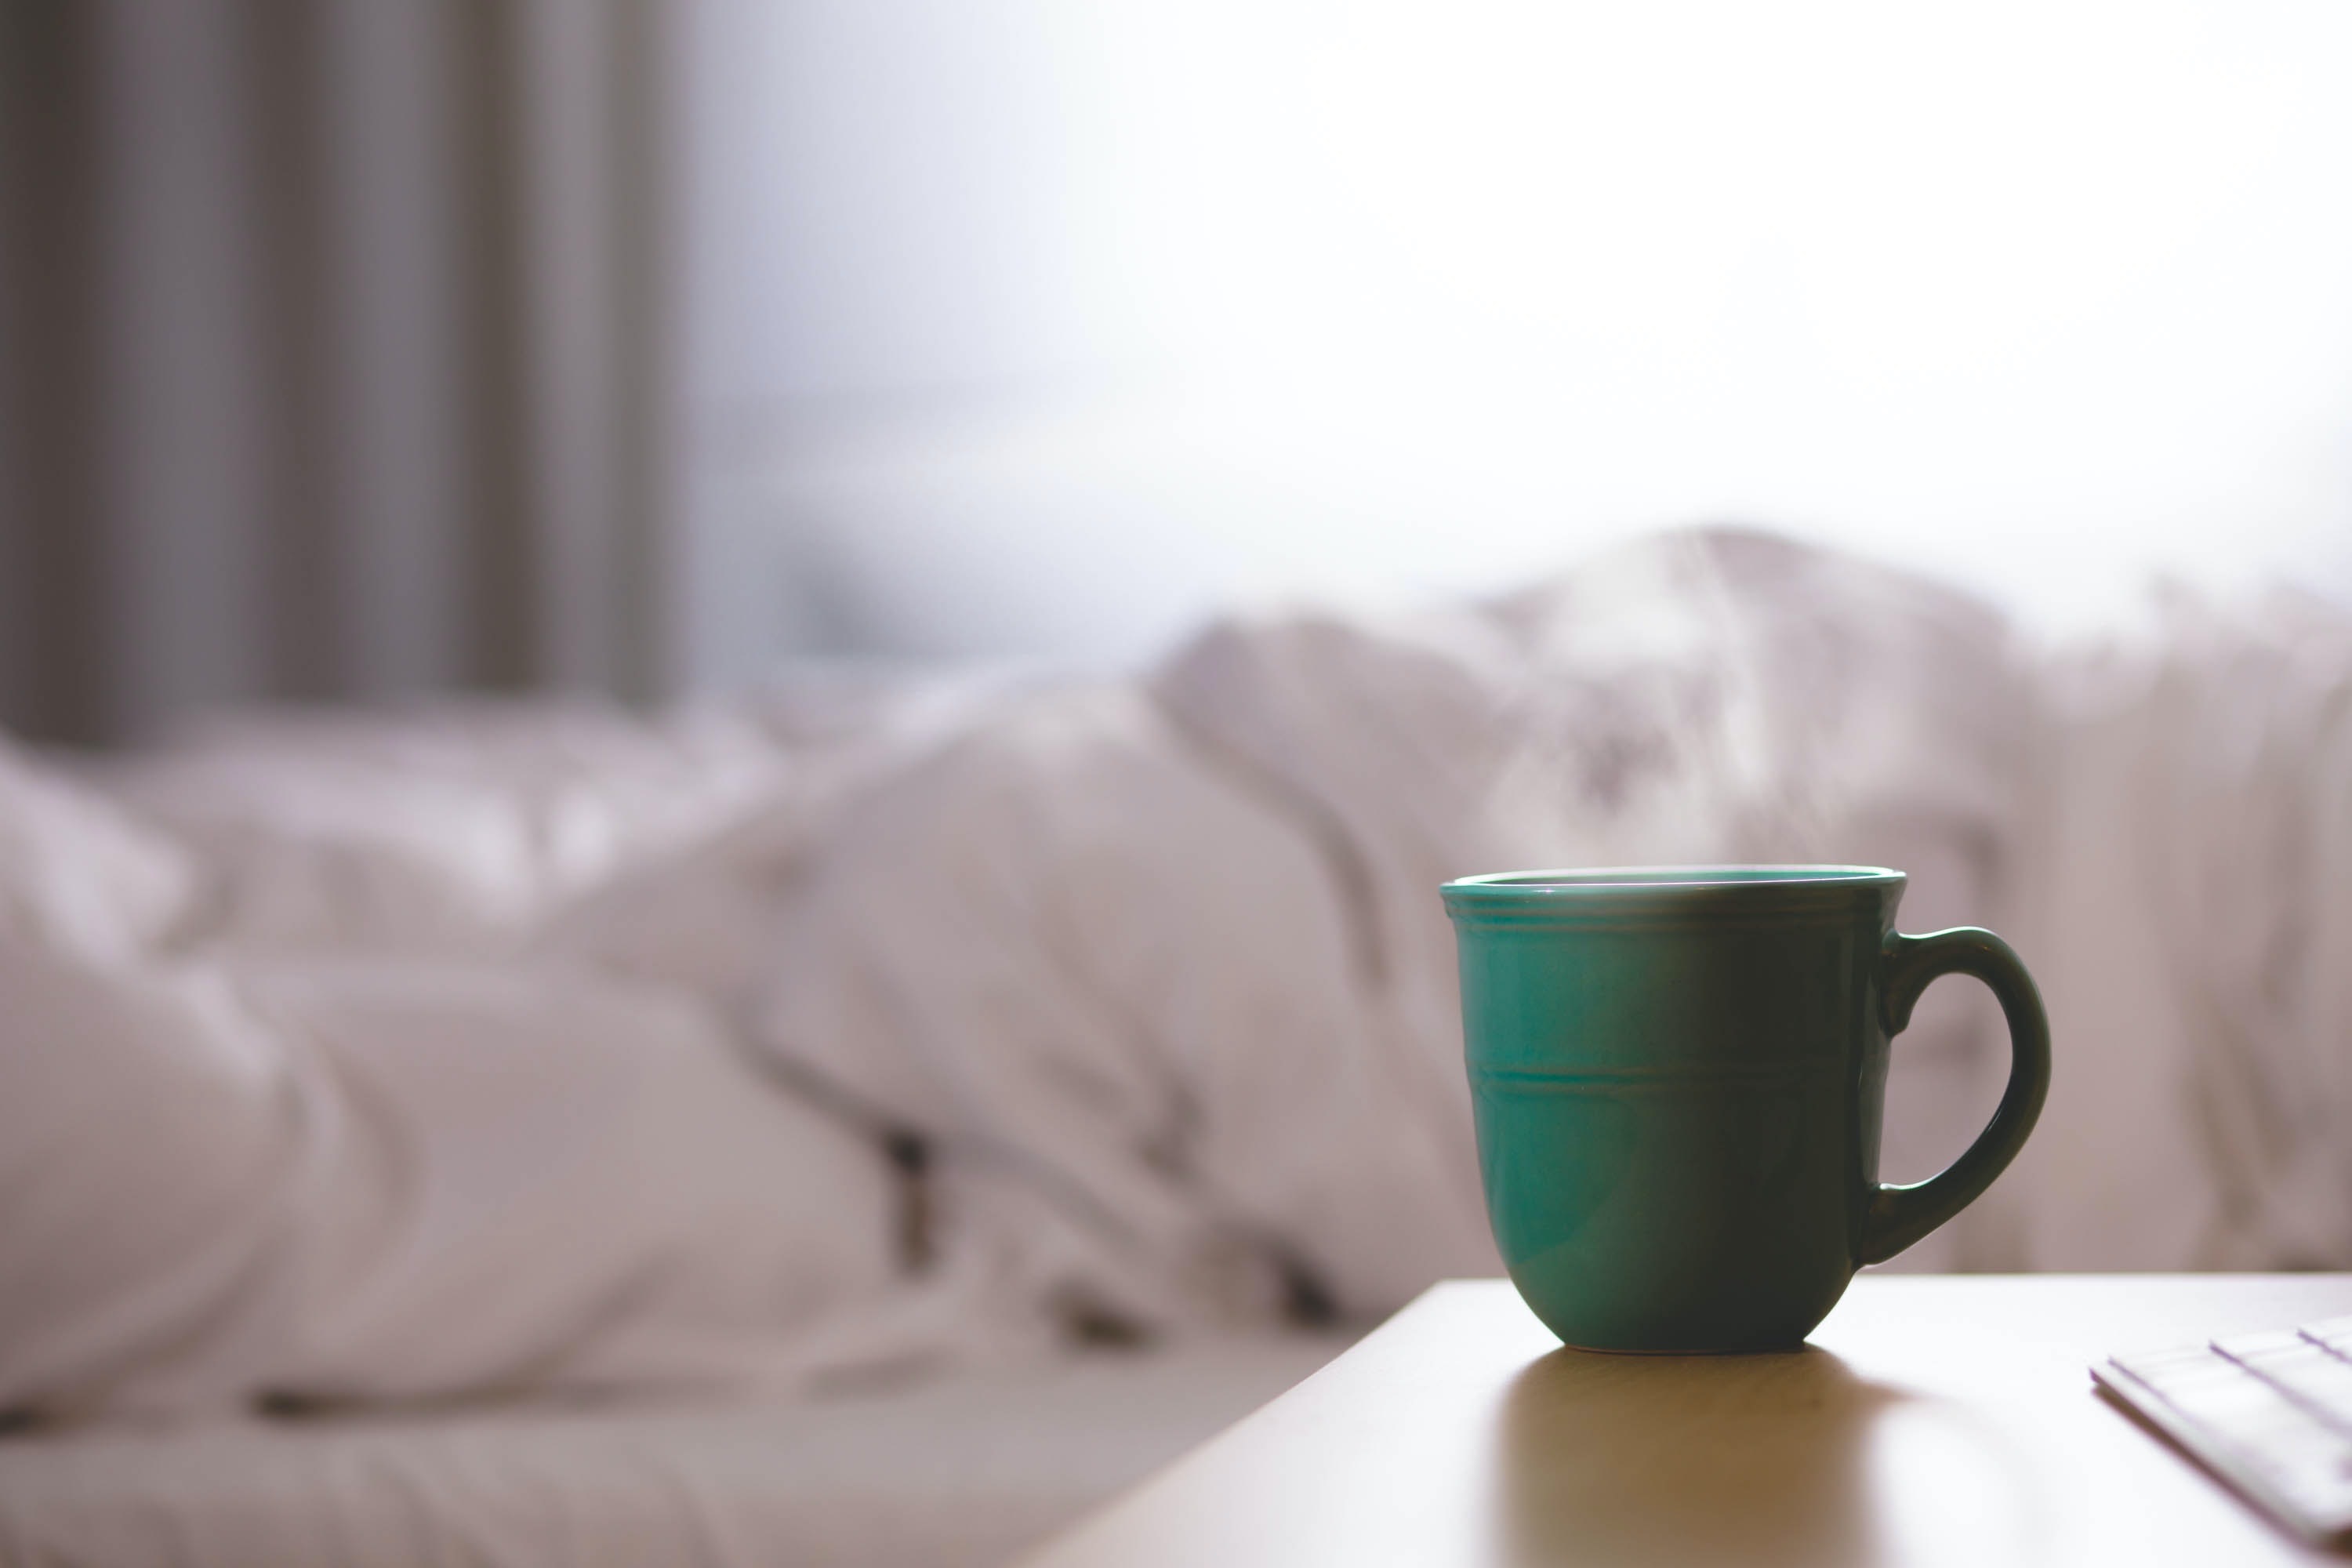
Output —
(1043, 327)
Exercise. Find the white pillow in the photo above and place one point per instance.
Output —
(448, 830)
(77, 874)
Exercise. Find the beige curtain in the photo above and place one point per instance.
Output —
(333, 353)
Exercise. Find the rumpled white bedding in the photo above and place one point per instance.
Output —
(836, 1032)
(2186, 899)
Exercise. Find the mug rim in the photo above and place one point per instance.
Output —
(1596, 880)
(1612, 896)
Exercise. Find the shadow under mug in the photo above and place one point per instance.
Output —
(1678, 1075)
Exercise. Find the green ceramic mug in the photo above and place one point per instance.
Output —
(1678, 1075)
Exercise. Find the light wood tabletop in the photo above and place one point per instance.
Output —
(1932, 1420)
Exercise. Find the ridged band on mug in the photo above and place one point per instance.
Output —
(1673, 1079)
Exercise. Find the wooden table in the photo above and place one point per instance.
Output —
(1934, 1420)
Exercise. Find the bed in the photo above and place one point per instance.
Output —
(969, 1469)
(504, 1132)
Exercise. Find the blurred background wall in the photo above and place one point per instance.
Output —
(356, 349)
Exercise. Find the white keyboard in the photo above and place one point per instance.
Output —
(2270, 1413)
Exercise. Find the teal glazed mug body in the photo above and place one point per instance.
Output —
(1678, 1075)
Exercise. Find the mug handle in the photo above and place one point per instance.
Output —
(1898, 1216)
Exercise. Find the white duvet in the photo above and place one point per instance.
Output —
(839, 1030)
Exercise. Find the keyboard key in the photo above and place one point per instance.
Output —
(2330, 1333)
(2302, 1369)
